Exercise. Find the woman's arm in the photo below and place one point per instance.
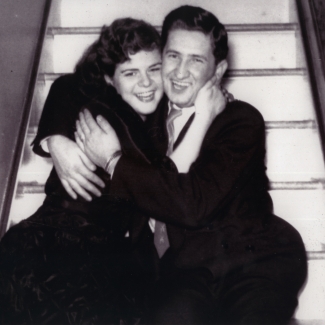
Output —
(57, 124)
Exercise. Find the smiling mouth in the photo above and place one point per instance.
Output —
(180, 85)
(147, 96)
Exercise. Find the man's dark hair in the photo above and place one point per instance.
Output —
(197, 19)
(116, 42)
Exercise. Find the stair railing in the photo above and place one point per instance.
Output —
(311, 16)
(22, 32)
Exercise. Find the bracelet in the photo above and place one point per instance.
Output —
(111, 158)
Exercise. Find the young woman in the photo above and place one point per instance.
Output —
(72, 262)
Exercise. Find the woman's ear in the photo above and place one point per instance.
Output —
(108, 80)
(221, 69)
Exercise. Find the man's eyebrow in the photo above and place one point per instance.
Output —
(173, 51)
(203, 57)
(153, 65)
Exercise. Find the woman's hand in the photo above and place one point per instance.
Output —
(97, 138)
(210, 100)
(73, 167)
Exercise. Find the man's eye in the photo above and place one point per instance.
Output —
(155, 69)
(196, 60)
(172, 56)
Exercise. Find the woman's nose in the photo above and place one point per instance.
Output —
(145, 80)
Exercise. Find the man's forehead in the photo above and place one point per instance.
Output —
(192, 42)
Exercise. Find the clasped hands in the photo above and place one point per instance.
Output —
(96, 138)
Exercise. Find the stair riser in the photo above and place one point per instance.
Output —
(249, 50)
(283, 148)
(312, 297)
(284, 98)
(278, 98)
(100, 12)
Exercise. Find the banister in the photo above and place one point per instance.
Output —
(22, 30)
(311, 25)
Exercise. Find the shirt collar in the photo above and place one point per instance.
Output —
(186, 111)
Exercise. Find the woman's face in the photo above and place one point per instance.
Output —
(138, 81)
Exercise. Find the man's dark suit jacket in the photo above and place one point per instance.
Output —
(219, 214)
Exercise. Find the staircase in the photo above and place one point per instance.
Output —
(267, 68)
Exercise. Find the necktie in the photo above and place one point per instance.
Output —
(161, 238)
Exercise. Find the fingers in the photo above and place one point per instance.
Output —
(81, 134)
(79, 142)
(89, 120)
(104, 125)
(83, 125)
(80, 190)
(69, 190)
(89, 174)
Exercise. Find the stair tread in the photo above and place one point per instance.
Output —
(242, 28)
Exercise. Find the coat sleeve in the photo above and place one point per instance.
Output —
(232, 147)
(59, 113)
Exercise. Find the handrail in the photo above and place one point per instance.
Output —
(27, 23)
(310, 28)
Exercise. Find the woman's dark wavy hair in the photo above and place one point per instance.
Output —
(123, 37)
(197, 19)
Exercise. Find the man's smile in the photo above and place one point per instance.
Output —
(180, 85)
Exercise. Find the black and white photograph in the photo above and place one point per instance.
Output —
(162, 162)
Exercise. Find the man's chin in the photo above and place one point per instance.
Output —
(180, 101)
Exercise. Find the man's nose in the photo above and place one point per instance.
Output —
(182, 70)
(145, 80)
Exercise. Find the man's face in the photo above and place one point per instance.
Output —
(187, 64)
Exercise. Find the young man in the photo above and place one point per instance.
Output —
(230, 260)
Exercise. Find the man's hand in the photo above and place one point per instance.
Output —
(96, 138)
(73, 167)
(210, 100)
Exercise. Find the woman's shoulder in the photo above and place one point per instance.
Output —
(66, 81)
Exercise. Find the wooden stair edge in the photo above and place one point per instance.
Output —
(313, 184)
(231, 73)
(267, 27)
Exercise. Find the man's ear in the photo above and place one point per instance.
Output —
(108, 80)
(221, 69)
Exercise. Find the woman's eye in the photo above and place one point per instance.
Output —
(129, 74)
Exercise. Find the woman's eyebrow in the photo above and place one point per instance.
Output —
(129, 70)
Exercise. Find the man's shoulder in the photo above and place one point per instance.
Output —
(241, 111)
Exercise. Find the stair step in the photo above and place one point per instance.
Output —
(312, 297)
(284, 146)
(248, 49)
(303, 209)
(277, 97)
(34, 187)
(279, 94)
(284, 27)
(100, 12)
(286, 140)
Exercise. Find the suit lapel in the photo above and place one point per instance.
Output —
(183, 132)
